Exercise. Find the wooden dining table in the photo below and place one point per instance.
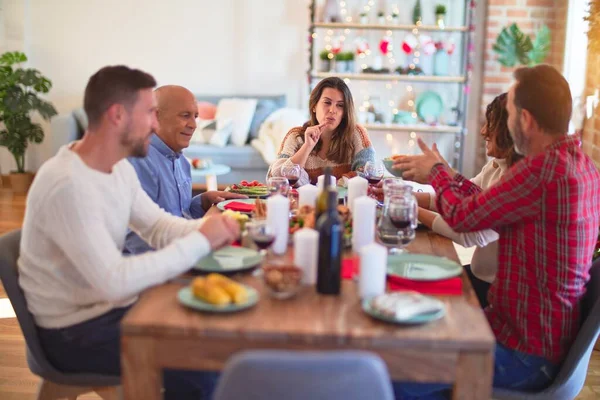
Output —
(160, 333)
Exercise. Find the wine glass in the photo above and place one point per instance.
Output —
(396, 226)
(291, 171)
(278, 185)
(261, 233)
(373, 172)
(263, 236)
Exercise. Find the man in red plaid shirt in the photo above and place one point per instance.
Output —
(546, 209)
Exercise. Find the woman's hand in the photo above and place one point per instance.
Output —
(313, 134)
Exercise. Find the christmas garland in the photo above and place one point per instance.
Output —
(593, 19)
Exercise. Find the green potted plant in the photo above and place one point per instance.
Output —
(325, 57)
(19, 101)
(381, 17)
(341, 65)
(417, 17)
(440, 14)
(514, 47)
(395, 17)
(349, 57)
(364, 18)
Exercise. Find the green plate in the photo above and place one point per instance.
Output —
(221, 205)
(229, 259)
(414, 320)
(186, 298)
(421, 267)
(429, 106)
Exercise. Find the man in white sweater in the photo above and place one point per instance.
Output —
(77, 283)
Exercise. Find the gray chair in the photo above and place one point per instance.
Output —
(273, 375)
(54, 384)
(571, 377)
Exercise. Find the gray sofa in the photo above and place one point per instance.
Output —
(245, 162)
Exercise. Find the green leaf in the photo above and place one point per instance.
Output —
(11, 58)
(541, 46)
(512, 46)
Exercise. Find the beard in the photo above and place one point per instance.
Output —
(137, 147)
(521, 143)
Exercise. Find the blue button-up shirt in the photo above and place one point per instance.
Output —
(167, 178)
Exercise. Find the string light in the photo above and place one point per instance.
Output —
(389, 86)
(347, 80)
(411, 143)
(389, 137)
(409, 88)
(413, 135)
(391, 102)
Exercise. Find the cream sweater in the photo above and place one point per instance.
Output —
(484, 264)
(71, 267)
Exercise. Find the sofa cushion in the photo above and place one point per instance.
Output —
(237, 157)
(264, 108)
(241, 112)
(206, 110)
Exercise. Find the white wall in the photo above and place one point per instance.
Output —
(211, 47)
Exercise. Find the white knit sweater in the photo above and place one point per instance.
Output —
(71, 267)
(484, 264)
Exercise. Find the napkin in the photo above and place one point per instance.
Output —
(450, 286)
(350, 267)
(239, 206)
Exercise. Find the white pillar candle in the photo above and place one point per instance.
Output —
(278, 215)
(320, 180)
(307, 195)
(357, 187)
(363, 222)
(373, 265)
(306, 254)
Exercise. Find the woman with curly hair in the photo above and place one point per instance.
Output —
(331, 138)
(499, 146)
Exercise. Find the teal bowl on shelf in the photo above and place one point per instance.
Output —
(388, 162)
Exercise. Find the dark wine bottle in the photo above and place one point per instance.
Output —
(322, 198)
(329, 267)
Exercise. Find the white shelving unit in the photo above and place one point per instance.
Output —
(389, 27)
(380, 84)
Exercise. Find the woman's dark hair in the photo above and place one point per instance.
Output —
(496, 129)
(341, 148)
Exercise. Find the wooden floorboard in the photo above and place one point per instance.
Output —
(18, 383)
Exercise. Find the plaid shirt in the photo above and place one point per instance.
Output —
(546, 209)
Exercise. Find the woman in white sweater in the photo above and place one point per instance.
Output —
(500, 147)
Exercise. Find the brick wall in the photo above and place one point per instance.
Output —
(529, 16)
(591, 129)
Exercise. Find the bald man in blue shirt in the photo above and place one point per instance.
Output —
(165, 174)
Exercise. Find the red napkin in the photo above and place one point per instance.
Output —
(451, 286)
(239, 206)
(350, 267)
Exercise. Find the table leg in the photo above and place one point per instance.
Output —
(141, 376)
(474, 376)
(211, 182)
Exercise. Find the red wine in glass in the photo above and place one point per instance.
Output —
(374, 180)
(293, 180)
(263, 241)
(400, 223)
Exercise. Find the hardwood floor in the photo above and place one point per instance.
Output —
(17, 382)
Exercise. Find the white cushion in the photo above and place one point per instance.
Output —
(241, 112)
(273, 131)
(213, 131)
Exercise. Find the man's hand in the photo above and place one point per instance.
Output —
(220, 230)
(418, 168)
(216, 196)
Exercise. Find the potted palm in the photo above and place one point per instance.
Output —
(340, 63)
(19, 101)
(349, 57)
